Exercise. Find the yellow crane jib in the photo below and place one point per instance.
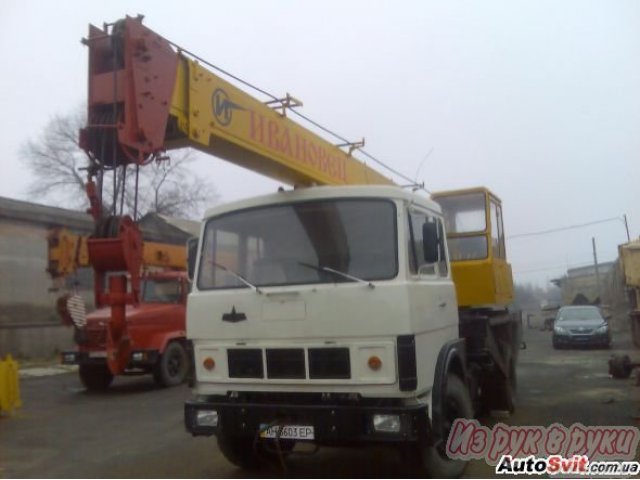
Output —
(156, 97)
(68, 251)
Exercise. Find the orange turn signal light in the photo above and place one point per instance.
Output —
(209, 363)
(374, 362)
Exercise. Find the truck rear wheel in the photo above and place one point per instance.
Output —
(431, 459)
(172, 366)
(95, 378)
(498, 390)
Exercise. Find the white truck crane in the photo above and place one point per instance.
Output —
(338, 313)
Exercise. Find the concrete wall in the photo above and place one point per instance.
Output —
(29, 325)
(35, 340)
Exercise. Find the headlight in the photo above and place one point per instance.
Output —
(602, 328)
(206, 418)
(69, 358)
(386, 423)
(559, 330)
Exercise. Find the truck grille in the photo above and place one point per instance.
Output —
(92, 337)
(329, 363)
(245, 363)
(285, 363)
(289, 363)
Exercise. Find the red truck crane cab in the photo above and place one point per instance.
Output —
(155, 336)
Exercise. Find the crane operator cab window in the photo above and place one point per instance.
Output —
(497, 234)
(465, 218)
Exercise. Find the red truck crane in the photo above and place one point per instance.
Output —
(153, 338)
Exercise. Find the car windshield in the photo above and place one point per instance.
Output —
(579, 313)
(299, 243)
(161, 291)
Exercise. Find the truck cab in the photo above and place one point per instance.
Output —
(325, 314)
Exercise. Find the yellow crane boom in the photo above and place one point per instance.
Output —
(68, 251)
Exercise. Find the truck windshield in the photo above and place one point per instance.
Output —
(275, 245)
(161, 291)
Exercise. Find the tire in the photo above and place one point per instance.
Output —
(506, 391)
(238, 451)
(241, 452)
(498, 391)
(431, 460)
(172, 367)
(95, 378)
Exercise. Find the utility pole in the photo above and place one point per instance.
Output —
(626, 226)
(595, 265)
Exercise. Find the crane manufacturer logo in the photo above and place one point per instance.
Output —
(223, 107)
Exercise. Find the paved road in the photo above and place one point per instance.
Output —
(136, 430)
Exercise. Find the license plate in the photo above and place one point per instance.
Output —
(97, 354)
(288, 432)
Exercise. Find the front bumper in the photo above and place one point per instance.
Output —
(333, 424)
(83, 358)
(576, 339)
(138, 358)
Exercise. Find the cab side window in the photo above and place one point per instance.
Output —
(497, 236)
(417, 262)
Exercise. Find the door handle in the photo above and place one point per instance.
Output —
(442, 304)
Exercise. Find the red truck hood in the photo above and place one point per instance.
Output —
(133, 313)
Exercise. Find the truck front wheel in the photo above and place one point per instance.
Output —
(95, 378)
(238, 450)
(244, 453)
(431, 458)
(172, 366)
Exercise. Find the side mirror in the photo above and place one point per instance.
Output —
(430, 242)
(192, 252)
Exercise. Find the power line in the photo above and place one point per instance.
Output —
(547, 269)
(562, 229)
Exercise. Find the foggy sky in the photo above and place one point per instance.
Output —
(539, 101)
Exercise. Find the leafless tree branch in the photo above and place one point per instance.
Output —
(55, 159)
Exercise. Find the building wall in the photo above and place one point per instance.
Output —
(29, 324)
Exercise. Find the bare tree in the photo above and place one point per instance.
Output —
(170, 188)
(167, 187)
(55, 159)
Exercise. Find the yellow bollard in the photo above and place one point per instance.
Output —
(9, 385)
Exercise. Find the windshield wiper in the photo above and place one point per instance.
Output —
(337, 272)
(238, 276)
